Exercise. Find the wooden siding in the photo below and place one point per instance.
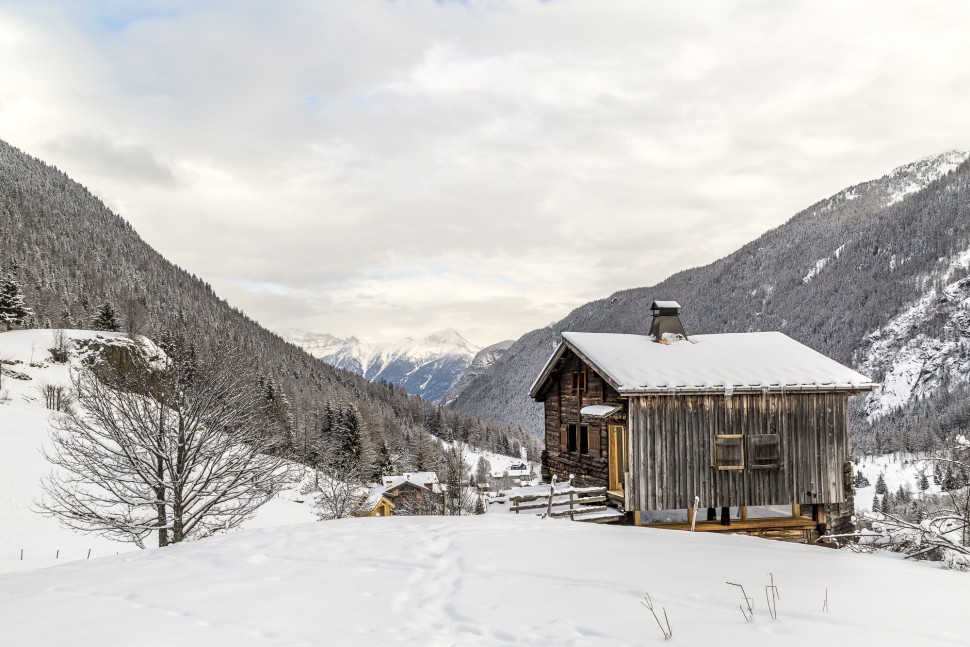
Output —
(562, 408)
(672, 445)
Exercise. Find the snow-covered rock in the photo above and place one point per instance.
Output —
(925, 346)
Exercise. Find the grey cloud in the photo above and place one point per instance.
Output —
(118, 161)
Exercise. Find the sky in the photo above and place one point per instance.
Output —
(391, 168)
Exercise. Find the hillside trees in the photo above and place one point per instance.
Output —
(177, 449)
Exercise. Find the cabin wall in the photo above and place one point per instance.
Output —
(672, 449)
(562, 407)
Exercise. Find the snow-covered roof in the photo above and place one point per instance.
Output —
(374, 496)
(635, 364)
(599, 410)
(665, 305)
(421, 479)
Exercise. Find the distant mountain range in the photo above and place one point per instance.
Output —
(430, 367)
(876, 276)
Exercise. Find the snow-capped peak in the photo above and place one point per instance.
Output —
(427, 367)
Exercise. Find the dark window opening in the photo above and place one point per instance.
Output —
(577, 438)
(578, 383)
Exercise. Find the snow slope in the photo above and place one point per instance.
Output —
(427, 367)
(488, 580)
(24, 431)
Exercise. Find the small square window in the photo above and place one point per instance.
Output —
(729, 452)
(764, 451)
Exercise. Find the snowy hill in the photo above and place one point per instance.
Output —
(489, 580)
(427, 367)
(873, 276)
(26, 366)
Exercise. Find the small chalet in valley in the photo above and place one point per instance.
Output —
(740, 432)
(410, 492)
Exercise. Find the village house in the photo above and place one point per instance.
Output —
(407, 493)
(739, 432)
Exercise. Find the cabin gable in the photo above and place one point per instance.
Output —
(576, 444)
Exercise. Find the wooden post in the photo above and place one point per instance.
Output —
(552, 492)
(744, 513)
(636, 517)
(725, 516)
(691, 515)
(796, 510)
(571, 495)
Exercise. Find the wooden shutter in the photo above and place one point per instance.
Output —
(764, 451)
(729, 452)
(594, 440)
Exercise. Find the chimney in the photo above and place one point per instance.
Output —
(666, 319)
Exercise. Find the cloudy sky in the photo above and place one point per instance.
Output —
(388, 168)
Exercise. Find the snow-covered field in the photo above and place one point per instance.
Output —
(487, 580)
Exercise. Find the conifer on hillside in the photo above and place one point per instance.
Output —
(106, 318)
(13, 310)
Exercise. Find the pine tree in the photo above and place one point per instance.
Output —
(106, 318)
(876, 506)
(861, 480)
(384, 463)
(887, 503)
(881, 485)
(13, 311)
(924, 482)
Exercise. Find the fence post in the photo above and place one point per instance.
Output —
(552, 492)
(571, 495)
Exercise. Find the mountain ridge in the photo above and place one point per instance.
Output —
(428, 367)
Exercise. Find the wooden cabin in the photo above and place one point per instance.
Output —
(740, 432)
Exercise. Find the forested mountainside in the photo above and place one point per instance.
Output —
(839, 276)
(482, 360)
(71, 254)
(427, 367)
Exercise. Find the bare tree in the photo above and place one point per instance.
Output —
(341, 489)
(176, 449)
(459, 497)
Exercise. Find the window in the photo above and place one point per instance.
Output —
(729, 452)
(764, 451)
(577, 438)
(578, 383)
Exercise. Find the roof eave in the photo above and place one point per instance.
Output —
(775, 388)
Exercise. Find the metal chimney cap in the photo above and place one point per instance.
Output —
(665, 307)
